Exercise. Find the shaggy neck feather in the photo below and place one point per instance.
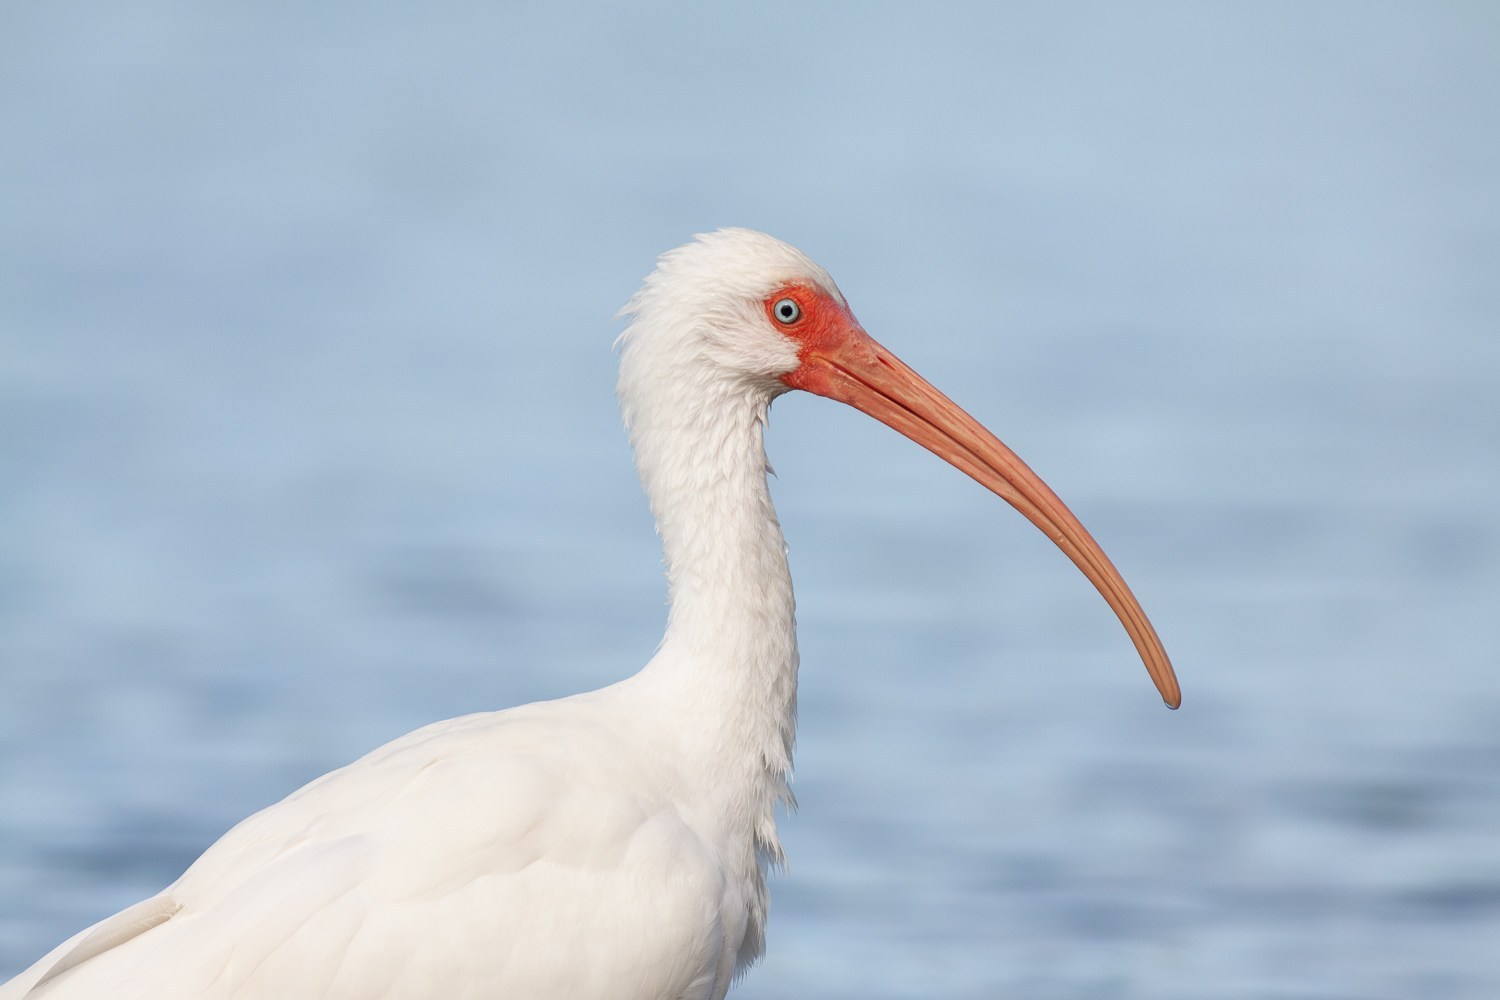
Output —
(728, 662)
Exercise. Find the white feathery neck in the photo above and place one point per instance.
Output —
(700, 366)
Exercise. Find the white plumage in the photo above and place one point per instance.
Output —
(613, 844)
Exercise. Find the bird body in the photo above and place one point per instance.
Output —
(613, 845)
(544, 851)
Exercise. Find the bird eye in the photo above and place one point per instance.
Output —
(786, 311)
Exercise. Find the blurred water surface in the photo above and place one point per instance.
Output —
(307, 438)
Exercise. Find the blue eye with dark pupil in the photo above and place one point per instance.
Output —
(786, 311)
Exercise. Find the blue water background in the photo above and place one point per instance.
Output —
(307, 438)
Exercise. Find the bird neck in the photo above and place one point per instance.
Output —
(728, 663)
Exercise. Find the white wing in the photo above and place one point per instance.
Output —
(529, 853)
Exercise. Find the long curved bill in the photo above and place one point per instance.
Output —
(852, 368)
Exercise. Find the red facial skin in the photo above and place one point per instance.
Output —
(824, 328)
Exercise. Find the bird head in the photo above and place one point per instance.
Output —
(739, 315)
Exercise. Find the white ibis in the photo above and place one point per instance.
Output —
(613, 844)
